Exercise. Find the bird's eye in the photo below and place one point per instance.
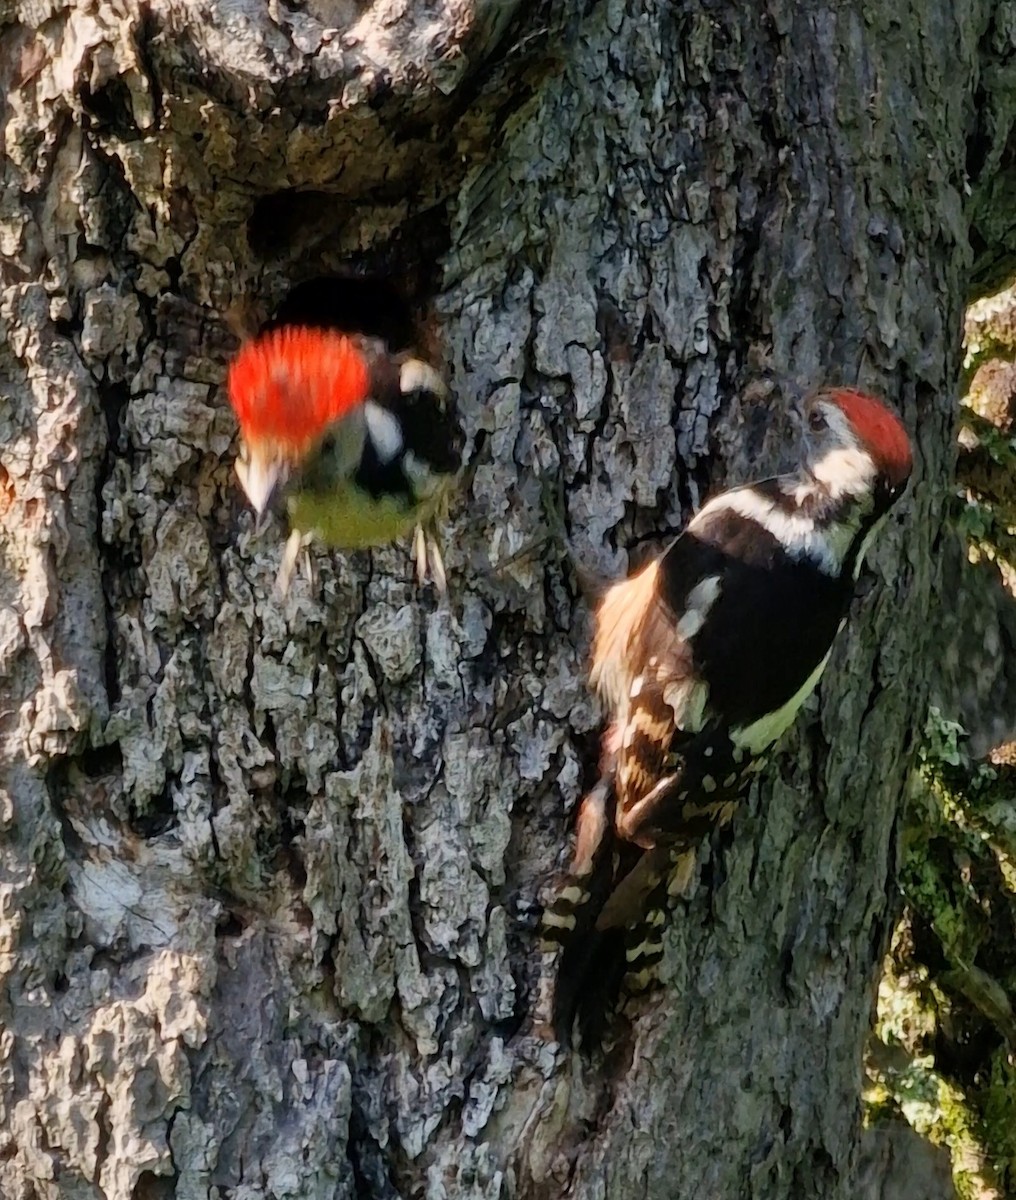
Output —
(817, 421)
(328, 444)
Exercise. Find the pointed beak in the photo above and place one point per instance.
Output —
(259, 477)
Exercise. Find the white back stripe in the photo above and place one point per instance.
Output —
(799, 535)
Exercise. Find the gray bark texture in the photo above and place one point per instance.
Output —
(268, 869)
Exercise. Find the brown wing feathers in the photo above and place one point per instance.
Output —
(608, 911)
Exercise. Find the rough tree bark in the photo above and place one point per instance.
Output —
(268, 869)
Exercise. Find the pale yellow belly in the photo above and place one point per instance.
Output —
(350, 519)
(762, 733)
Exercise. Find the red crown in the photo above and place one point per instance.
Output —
(880, 429)
(290, 384)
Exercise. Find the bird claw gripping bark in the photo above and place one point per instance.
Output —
(429, 560)
(703, 659)
(296, 544)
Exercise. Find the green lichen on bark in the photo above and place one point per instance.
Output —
(942, 1054)
(942, 1051)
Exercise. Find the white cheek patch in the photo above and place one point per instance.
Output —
(347, 436)
(847, 471)
(846, 468)
(700, 600)
(418, 376)
(383, 430)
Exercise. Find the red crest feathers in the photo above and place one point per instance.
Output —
(290, 384)
(880, 429)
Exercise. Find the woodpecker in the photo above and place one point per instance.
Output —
(355, 438)
(702, 660)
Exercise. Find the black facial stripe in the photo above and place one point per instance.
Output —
(782, 500)
(886, 495)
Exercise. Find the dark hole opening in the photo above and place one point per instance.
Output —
(282, 218)
(158, 816)
(353, 304)
(383, 289)
(154, 1187)
(110, 107)
(98, 761)
(228, 925)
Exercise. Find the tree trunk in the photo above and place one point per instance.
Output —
(269, 868)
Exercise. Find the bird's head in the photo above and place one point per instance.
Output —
(855, 446)
(296, 392)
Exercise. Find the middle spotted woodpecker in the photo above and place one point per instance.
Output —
(702, 660)
(353, 435)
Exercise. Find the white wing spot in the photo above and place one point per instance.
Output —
(700, 600)
(384, 431)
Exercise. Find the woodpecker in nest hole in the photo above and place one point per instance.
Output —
(352, 434)
(702, 660)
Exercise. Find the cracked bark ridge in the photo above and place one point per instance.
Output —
(267, 867)
(975, 684)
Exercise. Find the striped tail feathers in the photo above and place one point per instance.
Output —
(640, 905)
(594, 833)
(632, 895)
(604, 923)
(617, 953)
(567, 934)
